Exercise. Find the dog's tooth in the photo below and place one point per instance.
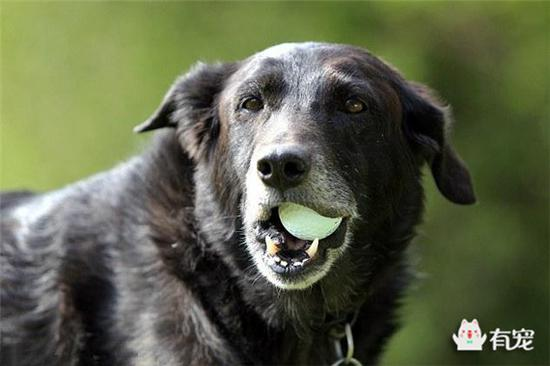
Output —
(297, 264)
(312, 250)
(271, 247)
(276, 258)
(283, 263)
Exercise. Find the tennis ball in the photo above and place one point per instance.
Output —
(306, 224)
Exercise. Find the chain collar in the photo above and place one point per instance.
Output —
(341, 332)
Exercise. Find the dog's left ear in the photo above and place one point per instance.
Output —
(426, 124)
(190, 106)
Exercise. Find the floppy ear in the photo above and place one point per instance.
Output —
(190, 106)
(426, 124)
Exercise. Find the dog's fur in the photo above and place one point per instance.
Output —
(157, 261)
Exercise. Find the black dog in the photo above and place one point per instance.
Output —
(179, 256)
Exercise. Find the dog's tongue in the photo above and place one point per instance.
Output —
(293, 243)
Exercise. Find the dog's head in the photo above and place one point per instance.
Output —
(325, 127)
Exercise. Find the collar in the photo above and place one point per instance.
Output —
(340, 331)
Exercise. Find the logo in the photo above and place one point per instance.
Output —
(512, 340)
(469, 337)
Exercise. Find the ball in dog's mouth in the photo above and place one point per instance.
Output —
(305, 223)
(297, 237)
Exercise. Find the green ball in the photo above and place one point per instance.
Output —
(306, 224)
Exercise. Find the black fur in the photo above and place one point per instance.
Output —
(150, 263)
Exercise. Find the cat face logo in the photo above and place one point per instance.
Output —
(469, 337)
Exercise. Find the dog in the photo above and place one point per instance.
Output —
(181, 255)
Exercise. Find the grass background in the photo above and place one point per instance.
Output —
(77, 76)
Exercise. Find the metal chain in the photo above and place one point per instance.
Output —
(348, 359)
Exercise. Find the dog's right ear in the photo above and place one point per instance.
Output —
(190, 106)
(162, 116)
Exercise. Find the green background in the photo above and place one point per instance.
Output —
(75, 78)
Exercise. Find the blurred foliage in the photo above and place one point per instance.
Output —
(77, 76)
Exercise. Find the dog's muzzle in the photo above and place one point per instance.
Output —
(288, 174)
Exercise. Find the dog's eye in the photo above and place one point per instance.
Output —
(354, 105)
(253, 104)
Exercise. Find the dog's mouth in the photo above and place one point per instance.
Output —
(291, 255)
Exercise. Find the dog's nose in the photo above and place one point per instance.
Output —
(284, 167)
